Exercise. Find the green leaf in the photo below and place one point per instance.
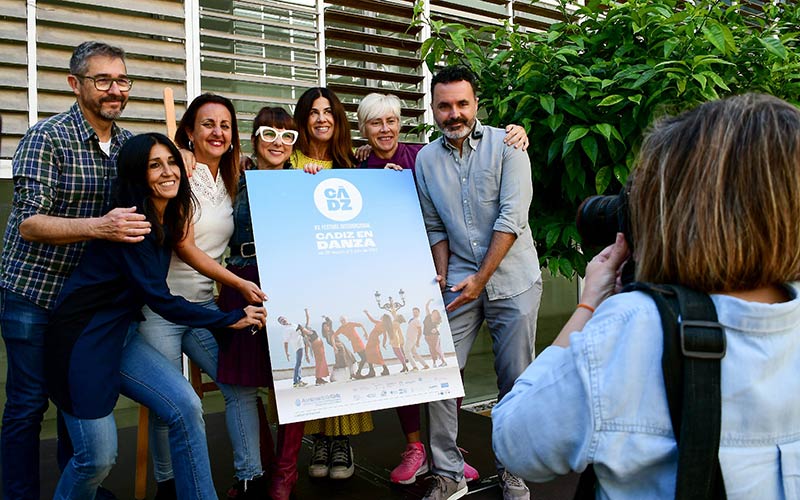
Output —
(774, 46)
(526, 68)
(458, 40)
(635, 98)
(570, 235)
(611, 100)
(700, 78)
(570, 86)
(548, 103)
(554, 121)
(552, 236)
(426, 46)
(621, 173)
(720, 36)
(565, 266)
(552, 265)
(669, 46)
(553, 150)
(602, 179)
(717, 80)
(604, 129)
(572, 109)
(589, 146)
(644, 78)
(575, 133)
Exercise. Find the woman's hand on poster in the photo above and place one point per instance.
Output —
(313, 168)
(251, 292)
(254, 316)
(393, 166)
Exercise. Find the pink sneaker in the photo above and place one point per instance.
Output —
(470, 473)
(414, 464)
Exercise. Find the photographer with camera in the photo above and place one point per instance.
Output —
(715, 207)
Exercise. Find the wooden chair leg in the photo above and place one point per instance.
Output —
(140, 489)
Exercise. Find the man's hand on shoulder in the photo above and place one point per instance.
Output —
(121, 224)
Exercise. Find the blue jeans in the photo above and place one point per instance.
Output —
(148, 378)
(512, 325)
(95, 445)
(298, 356)
(241, 408)
(23, 324)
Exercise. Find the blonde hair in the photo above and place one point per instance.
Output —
(376, 106)
(715, 198)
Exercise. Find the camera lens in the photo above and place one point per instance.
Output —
(599, 220)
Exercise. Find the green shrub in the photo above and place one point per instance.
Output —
(588, 87)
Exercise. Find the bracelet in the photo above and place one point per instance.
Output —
(586, 306)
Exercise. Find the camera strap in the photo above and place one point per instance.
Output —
(694, 345)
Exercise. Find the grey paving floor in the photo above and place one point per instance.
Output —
(376, 453)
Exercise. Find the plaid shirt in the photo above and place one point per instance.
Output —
(59, 170)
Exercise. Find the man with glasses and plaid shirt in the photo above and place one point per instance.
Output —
(63, 170)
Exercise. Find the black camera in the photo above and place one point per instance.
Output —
(600, 218)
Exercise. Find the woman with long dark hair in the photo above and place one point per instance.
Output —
(209, 129)
(92, 351)
(324, 140)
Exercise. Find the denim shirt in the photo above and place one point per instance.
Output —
(242, 229)
(602, 401)
(466, 197)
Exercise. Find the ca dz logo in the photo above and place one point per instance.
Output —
(338, 199)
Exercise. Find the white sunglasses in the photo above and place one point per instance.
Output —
(269, 134)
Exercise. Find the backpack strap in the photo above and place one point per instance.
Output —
(694, 344)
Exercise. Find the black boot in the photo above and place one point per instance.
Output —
(165, 490)
(247, 489)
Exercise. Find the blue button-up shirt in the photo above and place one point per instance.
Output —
(602, 401)
(466, 197)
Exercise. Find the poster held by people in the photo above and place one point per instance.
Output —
(356, 317)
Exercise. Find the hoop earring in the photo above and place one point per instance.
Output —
(191, 145)
(230, 148)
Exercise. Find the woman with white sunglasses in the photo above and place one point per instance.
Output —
(243, 355)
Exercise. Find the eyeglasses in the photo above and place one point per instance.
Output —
(269, 134)
(104, 84)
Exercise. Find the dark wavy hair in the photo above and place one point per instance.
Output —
(341, 145)
(455, 73)
(229, 163)
(132, 188)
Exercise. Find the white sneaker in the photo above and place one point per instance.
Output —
(514, 488)
(444, 488)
